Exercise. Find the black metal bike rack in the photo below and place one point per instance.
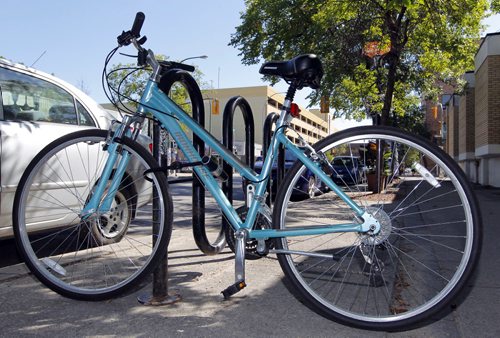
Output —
(267, 136)
(227, 140)
(160, 294)
(198, 198)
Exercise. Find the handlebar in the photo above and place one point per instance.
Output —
(136, 27)
(133, 36)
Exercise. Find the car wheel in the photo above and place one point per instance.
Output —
(110, 227)
(312, 187)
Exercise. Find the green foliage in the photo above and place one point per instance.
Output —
(421, 42)
(495, 6)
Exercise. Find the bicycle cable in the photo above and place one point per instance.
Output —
(118, 101)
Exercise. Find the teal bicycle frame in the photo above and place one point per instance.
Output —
(154, 101)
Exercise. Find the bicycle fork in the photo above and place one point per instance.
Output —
(112, 174)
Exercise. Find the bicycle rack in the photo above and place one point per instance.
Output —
(198, 198)
(160, 294)
(267, 135)
(227, 140)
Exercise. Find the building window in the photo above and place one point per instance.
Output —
(272, 102)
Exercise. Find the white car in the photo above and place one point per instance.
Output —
(35, 109)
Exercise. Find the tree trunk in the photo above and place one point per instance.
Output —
(398, 32)
(389, 92)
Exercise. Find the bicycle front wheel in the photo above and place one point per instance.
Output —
(420, 259)
(97, 257)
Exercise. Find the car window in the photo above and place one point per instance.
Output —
(343, 162)
(84, 115)
(28, 98)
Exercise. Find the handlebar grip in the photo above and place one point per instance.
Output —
(136, 27)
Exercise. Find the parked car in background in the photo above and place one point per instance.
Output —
(347, 170)
(35, 109)
(307, 185)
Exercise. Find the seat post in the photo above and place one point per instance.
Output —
(290, 94)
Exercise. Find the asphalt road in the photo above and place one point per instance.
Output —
(182, 191)
(264, 309)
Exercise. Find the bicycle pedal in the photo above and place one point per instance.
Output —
(232, 289)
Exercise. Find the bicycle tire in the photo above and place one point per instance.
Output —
(62, 249)
(420, 260)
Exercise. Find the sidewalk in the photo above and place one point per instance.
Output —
(264, 309)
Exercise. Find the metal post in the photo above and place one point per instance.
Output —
(160, 294)
(268, 132)
(227, 140)
(198, 110)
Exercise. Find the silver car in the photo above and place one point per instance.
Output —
(35, 109)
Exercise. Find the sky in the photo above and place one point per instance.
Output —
(75, 37)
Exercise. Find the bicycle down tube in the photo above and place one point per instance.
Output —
(157, 101)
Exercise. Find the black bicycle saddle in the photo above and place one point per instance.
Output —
(306, 69)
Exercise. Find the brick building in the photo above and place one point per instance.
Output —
(435, 115)
(467, 129)
(452, 126)
(473, 119)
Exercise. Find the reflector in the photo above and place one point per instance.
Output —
(294, 110)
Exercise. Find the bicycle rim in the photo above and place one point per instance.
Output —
(102, 255)
(422, 256)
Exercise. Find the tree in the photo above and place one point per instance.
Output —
(379, 55)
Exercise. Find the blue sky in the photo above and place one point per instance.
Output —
(77, 35)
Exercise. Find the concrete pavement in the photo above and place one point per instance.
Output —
(265, 308)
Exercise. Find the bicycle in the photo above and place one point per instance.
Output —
(383, 259)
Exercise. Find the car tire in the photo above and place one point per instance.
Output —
(110, 229)
(312, 187)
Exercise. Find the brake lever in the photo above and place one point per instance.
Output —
(125, 38)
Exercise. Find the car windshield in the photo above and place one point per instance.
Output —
(347, 162)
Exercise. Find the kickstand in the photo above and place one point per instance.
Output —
(239, 273)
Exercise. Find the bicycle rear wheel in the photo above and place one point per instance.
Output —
(103, 255)
(415, 266)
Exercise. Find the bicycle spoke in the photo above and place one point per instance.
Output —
(104, 252)
(416, 259)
